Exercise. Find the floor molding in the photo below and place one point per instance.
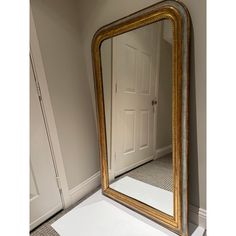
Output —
(163, 151)
(197, 216)
(84, 188)
(45, 216)
(132, 166)
(111, 175)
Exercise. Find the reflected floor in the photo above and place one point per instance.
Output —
(153, 196)
(157, 173)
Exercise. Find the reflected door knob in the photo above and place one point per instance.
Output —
(154, 102)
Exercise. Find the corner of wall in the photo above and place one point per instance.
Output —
(197, 216)
(84, 188)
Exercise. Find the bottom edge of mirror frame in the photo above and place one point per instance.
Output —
(135, 205)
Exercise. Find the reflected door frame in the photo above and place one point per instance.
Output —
(112, 153)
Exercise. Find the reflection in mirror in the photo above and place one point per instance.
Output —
(137, 80)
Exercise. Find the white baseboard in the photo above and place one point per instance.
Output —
(111, 175)
(132, 166)
(163, 151)
(197, 216)
(45, 216)
(85, 188)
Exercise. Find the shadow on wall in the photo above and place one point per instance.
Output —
(193, 146)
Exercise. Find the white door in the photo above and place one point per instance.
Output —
(134, 82)
(45, 197)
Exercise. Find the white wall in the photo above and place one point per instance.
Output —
(96, 13)
(60, 43)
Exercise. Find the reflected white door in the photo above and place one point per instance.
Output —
(45, 197)
(134, 76)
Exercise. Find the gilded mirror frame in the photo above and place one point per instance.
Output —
(179, 16)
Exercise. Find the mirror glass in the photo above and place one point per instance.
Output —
(137, 83)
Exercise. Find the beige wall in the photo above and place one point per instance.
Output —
(164, 107)
(60, 43)
(94, 14)
(106, 57)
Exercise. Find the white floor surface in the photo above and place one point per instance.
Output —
(151, 195)
(101, 216)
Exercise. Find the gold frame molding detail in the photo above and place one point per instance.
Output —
(179, 16)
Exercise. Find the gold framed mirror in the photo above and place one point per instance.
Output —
(141, 75)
